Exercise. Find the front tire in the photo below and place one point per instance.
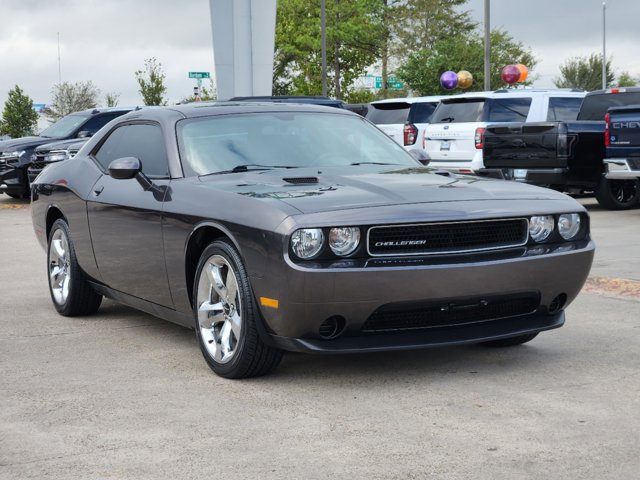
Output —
(226, 316)
(70, 291)
(618, 194)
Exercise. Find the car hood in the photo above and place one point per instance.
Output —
(60, 144)
(330, 189)
(22, 143)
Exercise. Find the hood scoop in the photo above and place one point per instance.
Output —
(301, 180)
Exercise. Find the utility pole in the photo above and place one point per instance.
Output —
(604, 46)
(323, 34)
(59, 69)
(487, 46)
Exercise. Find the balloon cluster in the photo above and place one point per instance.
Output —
(512, 74)
(450, 80)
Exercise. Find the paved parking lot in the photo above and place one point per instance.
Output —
(125, 395)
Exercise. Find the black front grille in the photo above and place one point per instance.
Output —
(448, 313)
(453, 237)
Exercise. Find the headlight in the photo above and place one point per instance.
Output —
(569, 225)
(540, 227)
(344, 240)
(55, 156)
(306, 243)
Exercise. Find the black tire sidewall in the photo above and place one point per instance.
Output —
(224, 249)
(605, 196)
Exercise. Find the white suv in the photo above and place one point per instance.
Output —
(454, 137)
(403, 118)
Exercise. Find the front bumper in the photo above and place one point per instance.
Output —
(622, 168)
(307, 297)
(537, 176)
(13, 180)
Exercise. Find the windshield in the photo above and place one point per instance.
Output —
(233, 143)
(63, 127)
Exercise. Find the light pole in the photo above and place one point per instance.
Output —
(604, 46)
(487, 46)
(323, 34)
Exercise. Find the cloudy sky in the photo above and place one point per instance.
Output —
(106, 41)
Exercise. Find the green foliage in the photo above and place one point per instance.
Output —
(422, 70)
(626, 80)
(359, 95)
(71, 97)
(354, 30)
(112, 99)
(584, 73)
(19, 119)
(206, 94)
(151, 82)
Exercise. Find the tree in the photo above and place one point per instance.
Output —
(422, 70)
(71, 97)
(584, 73)
(206, 94)
(19, 119)
(626, 80)
(151, 82)
(112, 99)
(354, 30)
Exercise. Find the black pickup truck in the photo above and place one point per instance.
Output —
(565, 155)
(622, 142)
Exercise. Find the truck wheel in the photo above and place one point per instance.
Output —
(618, 194)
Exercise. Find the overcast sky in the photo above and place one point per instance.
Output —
(106, 41)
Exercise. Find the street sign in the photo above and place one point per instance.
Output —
(392, 83)
(199, 75)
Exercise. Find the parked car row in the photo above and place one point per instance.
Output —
(17, 155)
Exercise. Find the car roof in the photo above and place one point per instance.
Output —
(431, 98)
(519, 92)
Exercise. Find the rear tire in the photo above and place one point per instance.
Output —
(618, 194)
(226, 316)
(70, 291)
(511, 341)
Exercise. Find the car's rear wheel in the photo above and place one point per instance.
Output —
(618, 194)
(70, 291)
(227, 316)
(511, 341)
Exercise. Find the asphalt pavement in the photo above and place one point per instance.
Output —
(124, 395)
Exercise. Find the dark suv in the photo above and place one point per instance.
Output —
(16, 154)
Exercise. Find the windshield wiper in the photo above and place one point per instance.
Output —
(251, 166)
(371, 163)
(447, 119)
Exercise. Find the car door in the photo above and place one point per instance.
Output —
(125, 220)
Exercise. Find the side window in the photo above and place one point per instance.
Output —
(562, 109)
(509, 109)
(143, 141)
(96, 123)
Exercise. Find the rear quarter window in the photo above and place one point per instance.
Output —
(563, 109)
(388, 113)
(507, 109)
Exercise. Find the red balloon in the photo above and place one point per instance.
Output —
(510, 74)
(524, 72)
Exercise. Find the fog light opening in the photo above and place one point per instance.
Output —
(332, 327)
(557, 303)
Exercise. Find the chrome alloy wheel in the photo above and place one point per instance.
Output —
(219, 309)
(59, 267)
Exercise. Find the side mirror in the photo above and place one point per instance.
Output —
(124, 168)
(84, 134)
(420, 155)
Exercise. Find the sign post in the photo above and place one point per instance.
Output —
(198, 76)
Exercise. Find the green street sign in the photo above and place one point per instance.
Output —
(392, 83)
(199, 75)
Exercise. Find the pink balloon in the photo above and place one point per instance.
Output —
(510, 74)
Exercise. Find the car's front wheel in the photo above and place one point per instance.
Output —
(70, 291)
(226, 316)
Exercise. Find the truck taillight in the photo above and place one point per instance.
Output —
(479, 138)
(563, 141)
(607, 133)
(410, 134)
